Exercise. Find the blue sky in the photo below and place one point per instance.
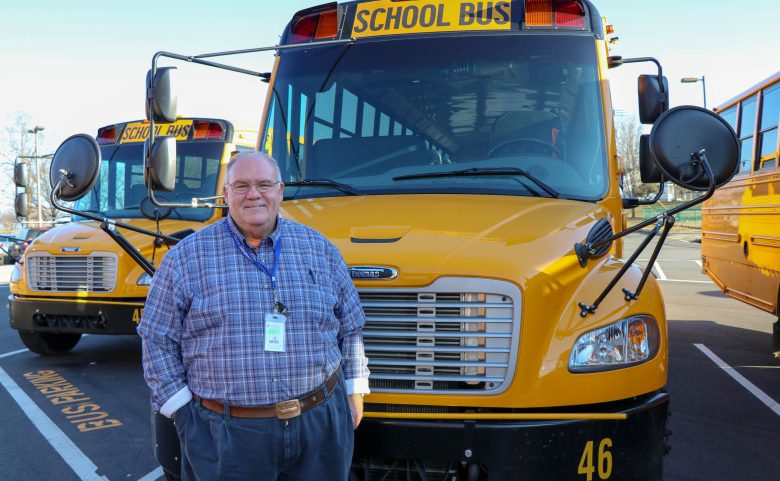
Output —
(75, 66)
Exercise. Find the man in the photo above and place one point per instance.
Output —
(252, 341)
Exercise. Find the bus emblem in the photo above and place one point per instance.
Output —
(372, 273)
(70, 249)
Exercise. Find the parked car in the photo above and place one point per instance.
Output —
(23, 238)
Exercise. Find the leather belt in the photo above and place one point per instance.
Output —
(281, 410)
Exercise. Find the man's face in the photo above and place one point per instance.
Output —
(253, 210)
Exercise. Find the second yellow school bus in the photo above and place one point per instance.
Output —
(741, 222)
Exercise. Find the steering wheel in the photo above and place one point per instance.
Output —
(550, 148)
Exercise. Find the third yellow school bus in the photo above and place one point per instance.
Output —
(741, 222)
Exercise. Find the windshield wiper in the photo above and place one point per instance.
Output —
(347, 189)
(483, 171)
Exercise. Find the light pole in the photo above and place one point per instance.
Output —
(693, 80)
(38, 128)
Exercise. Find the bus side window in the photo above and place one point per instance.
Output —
(770, 111)
(746, 129)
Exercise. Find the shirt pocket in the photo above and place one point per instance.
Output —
(315, 299)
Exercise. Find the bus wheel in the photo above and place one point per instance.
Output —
(47, 343)
(776, 338)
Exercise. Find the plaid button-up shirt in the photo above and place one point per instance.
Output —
(203, 322)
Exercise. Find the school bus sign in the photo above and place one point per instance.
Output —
(392, 18)
(139, 131)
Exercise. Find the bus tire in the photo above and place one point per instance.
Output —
(48, 343)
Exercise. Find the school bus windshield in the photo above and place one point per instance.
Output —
(368, 113)
(120, 188)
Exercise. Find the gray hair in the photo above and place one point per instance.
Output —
(257, 155)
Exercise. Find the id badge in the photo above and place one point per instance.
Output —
(274, 332)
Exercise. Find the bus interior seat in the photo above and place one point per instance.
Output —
(334, 158)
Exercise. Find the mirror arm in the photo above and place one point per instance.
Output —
(263, 75)
(698, 158)
(195, 204)
(64, 176)
(668, 224)
(591, 309)
(663, 95)
(631, 202)
(110, 229)
(665, 219)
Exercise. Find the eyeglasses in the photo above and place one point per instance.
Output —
(243, 186)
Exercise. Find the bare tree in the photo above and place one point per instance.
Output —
(17, 144)
(628, 130)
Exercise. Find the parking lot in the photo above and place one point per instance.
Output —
(85, 415)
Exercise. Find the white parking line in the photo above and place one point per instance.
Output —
(698, 263)
(157, 473)
(761, 395)
(13, 353)
(84, 468)
(686, 280)
(661, 275)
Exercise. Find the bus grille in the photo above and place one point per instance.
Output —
(92, 273)
(458, 335)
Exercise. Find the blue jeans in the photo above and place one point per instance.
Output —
(315, 445)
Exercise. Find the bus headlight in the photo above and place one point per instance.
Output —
(144, 280)
(626, 343)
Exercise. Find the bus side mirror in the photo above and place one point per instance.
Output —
(160, 170)
(652, 101)
(648, 169)
(20, 205)
(75, 167)
(20, 175)
(160, 95)
(681, 134)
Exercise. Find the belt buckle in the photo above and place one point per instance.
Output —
(288, 409)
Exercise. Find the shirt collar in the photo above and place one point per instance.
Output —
(274, 237)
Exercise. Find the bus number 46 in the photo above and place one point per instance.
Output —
(604, 461)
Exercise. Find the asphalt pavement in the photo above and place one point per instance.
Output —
(85, 415)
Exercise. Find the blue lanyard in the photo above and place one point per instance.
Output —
(253, 260)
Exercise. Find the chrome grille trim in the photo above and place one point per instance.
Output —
(456, 336)
(96, 272)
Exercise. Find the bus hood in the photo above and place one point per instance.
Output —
(426, 237)
(86, 237)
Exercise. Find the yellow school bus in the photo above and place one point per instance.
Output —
(75, 279)
(461, 155)
(741, 223)
(482, 367)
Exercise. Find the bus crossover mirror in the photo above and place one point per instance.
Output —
(20, 175)
(75, 167)
(653, 99)
(683, 131)
(160, 170)
(20, 205)
(694, 148)
(160, 96)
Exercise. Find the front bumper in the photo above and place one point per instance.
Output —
(518, 450)
(74, 315)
